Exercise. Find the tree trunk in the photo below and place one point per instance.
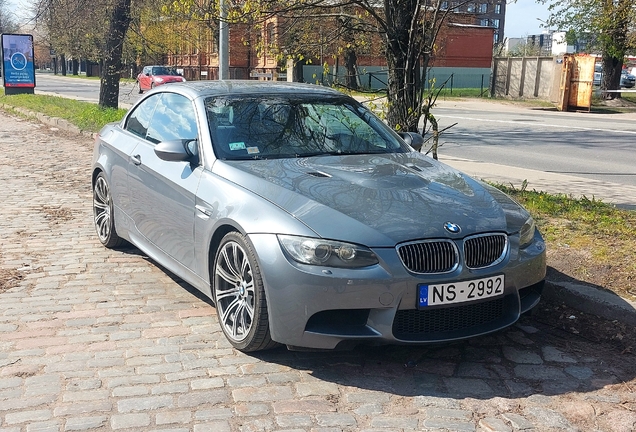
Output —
(75, 66)
(402, 55)
(611, 78)
(63, 64)
(109, 85)
(351, 61)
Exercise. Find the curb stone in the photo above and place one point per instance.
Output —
(592, 300)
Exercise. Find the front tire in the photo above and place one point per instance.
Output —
(239, 295)
(103, 215)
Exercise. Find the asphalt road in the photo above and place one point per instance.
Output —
(588, 145)
(82, 89)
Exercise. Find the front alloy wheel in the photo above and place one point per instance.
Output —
(239, 295)
(103, 213)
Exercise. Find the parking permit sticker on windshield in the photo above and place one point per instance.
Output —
(237, 145)
(253, 150)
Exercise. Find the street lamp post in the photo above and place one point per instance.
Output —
(224, 60)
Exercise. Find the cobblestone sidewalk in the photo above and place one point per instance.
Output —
(94, 339)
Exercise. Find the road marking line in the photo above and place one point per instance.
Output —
(535, 124)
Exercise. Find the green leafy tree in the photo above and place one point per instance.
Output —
(611, 21)
(408, 29)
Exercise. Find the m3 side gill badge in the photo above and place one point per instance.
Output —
(452, 227)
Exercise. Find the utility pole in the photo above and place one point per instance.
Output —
(224, 59)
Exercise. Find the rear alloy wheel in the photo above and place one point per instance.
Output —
(103, 214)
(239, 295)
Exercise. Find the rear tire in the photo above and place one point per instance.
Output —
(239, 295)
(103, 215)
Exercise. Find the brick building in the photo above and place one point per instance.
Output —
(260, 51)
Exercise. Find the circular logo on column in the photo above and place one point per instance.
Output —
(18, 61)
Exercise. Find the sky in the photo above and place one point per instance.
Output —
(521, 18)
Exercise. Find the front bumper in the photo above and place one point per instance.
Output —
(319, 307)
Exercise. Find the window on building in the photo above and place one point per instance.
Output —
(485, 22)
(483, 8)
(470, 8)
(497, 8)
(496, 37)
(271, 34)
(454, 4)
(495, 23)
(444, 5)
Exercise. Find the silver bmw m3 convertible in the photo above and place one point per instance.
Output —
(308, 222)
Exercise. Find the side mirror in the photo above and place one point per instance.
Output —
(413, 139)
(177, 150)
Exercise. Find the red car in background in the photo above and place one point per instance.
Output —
(152, 76)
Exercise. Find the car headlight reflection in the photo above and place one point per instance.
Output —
(307, 250)
(527, 233)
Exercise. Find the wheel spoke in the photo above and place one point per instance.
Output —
(248, 315)
(233, 275)
(222, 295)
(226, 315)
(228, 277)
(98, 204)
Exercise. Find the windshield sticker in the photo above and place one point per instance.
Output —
(253, 150)
(237, 145)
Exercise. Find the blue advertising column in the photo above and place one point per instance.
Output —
(18, 71)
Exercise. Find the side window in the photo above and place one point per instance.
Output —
(139, 120)
(173, 119)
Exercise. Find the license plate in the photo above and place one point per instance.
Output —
(460, 292)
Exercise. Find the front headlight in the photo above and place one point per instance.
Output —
(527, 233)
(328, 253)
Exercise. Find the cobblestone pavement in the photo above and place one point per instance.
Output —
(94, 339)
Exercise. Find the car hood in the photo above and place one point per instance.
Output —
(377, 200)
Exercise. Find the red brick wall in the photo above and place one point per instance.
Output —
(464, 47)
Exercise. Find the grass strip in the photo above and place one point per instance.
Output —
(85, 115)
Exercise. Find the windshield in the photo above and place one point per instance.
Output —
(285, 127)
(164, 70)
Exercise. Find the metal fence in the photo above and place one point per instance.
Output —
(376, 78)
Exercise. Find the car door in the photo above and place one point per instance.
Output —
(144, 79)
(163, 192)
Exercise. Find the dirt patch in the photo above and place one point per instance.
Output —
(57, 215)
(615, 103)
(9, 279)
(589, 327)
(580, 266)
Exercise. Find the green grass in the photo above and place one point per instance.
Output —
(446, 93)
(85, 115)
(584, 215)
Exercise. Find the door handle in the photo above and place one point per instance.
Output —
(136, 159)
